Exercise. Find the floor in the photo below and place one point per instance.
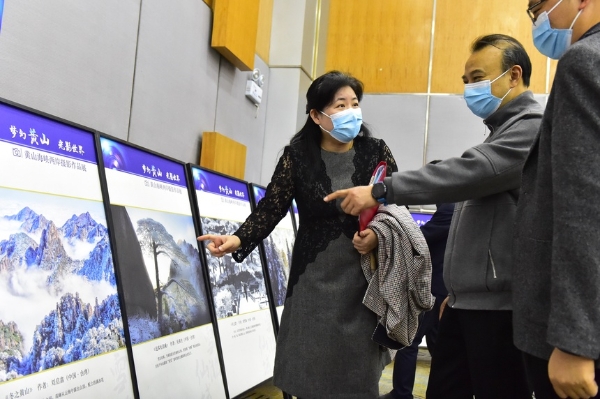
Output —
(268, 391)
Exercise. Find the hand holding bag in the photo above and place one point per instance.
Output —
(365, 217)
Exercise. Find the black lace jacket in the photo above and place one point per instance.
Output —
(319, 221)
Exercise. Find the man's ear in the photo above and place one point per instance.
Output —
(583, 3)
(516, 75)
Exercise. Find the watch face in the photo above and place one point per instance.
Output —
(378, 190)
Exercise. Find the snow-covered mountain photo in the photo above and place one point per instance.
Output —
(163, 285)
(238, 288)
(58, 294)
(278, 252)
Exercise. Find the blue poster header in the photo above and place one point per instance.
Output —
(214, 183)
(1, 12)
(37, 132)
(259, 193)
(421, 218)
(128, 159)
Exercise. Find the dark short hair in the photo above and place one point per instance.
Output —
(513, 52)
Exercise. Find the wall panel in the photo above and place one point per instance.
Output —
(283, 111)
(385, 43)
(459, 22)
(263, 35)
(71, 59)
(305, 83)
(235, 26)
(238, 118)
(309, 36)
(323, 33)
(177, 75)
(400, 121)
(453, 128)
(287, 33)
(541, 98)
(222, 154)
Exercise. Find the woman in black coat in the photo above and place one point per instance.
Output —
(324, 346)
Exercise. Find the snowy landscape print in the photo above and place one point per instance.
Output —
(278, 252)
(163, 286)
(58, 294)
(238, 288)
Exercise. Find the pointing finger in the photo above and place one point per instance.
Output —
(336, 194)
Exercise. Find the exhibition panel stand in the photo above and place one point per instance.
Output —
(61, 319)
(277, 252)
(239, 290)
(169, 314)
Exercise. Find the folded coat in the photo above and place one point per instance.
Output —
(400, 288)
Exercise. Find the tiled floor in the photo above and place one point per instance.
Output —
(268, 391)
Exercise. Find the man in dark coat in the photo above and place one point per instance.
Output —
(556, 285)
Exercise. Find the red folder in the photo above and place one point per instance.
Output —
(367, 215)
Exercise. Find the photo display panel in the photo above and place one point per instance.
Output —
(278, 252)
(296, 215)
(168, 312)
(239, 292)
(421, 218)
(61, 329)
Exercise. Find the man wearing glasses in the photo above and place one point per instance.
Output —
(556, 281)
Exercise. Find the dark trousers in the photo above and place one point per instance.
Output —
(537, 376)
(475, 355)
(405, 363)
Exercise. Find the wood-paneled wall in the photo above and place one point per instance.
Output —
(384, 43)
(223, 155)
(387, 43)
(459, 22)
(235, 27)
(263, 36)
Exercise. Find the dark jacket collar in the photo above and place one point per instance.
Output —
(594, 29)
(512, 108)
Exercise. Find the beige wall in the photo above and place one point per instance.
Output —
(387, 43)
(384, 43)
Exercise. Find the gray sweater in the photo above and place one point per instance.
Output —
(557, 244)
(485, 183)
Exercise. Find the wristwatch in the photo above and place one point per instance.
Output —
(378, 191)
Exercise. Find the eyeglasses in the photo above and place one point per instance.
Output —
(530, 12)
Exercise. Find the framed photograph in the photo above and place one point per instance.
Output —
(239, 290)
(296, 216)
(61, 324)
(277, 250)
(168, 313)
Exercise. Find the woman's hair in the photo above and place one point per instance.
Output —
(320, 94)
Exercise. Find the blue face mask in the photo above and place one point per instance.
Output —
(346, 124)
(551, 42)
(480, 99)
